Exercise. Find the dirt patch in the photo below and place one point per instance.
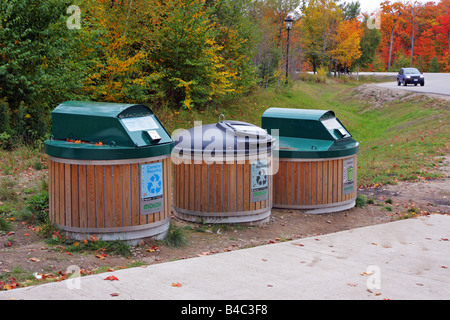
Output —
(378, 96)
(24, 250)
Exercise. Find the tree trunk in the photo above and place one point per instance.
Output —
(390, 48)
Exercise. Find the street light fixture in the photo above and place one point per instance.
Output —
(288, 22)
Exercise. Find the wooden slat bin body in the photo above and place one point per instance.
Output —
(219, 193)
(222, 173)
(103, 198)
(315, 185)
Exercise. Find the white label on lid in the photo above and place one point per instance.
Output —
(140, 123)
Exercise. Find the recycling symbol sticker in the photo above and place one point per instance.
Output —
(151, 180)
(155, 184)
(259, 180)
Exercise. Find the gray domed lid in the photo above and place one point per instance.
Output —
(225, 138)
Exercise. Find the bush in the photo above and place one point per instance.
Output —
(175, 236)
(434, 65)
(37, 208)
(361, 200)
(321, 76)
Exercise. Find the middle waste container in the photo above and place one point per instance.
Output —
(222, 173)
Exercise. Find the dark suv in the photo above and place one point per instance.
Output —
(410, 75)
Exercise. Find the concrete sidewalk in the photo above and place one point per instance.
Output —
(407, 259)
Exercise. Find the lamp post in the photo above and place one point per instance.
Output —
(288, 22)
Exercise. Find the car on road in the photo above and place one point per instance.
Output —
(410, 76)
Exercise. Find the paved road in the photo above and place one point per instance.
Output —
(435, 83)
(406, 259)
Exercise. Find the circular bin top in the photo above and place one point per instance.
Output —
(106, 131)
(309, 134)
(223, 141)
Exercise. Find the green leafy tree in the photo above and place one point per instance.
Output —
(35, 72)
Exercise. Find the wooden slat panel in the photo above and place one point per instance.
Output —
(100, 196)
(186, 193)
(198, 187)
(330, 181)
(339, 180)
(205, 187)
(307, 183)
(295, 178)
(218, 188)
(319, 182)
(283, 184)
(75, 199)
(277, 185)
(90, 170)
(82, 185)
(109, 198)
(302, 182)
(167, 163)
(313, 182)
(239, 187)
(57, 192)
(232, 187)
(290, 183)
(126, 187)
(247, 174)
(191, 179)
(211, 182)
(117, 179)
(175, 193)
(181, 185)
(325, 182)
(335, 180)
(135, 194)
(50, 190)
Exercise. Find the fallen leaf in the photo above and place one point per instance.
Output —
(298, 244)
(115, 294)
(176, 284)
(34, 259)
(111, 278)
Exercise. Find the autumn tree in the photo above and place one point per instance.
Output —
(370, 40)
(391, 14)
(348, 38)
(319, 22)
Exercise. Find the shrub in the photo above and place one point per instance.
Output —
(175, 236)
(37, 207)
(321, 76)
(361, 200)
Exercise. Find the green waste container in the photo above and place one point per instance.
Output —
(317, 160)
(109, 171)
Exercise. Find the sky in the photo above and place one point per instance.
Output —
(372, 5)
